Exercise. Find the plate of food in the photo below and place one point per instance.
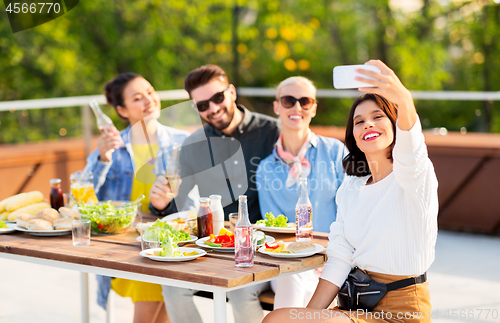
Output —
(44, 232)
(4, 228)
(291, 249)
(192, 238)
(277, 224)
(224, 241)
(176, 254)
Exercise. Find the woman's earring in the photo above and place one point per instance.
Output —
(277, 113)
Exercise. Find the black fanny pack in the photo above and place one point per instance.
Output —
(360, 292)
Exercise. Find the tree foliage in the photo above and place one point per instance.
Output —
(445, 45)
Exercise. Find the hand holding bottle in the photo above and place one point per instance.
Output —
(108, 141)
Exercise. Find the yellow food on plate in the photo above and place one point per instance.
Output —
(223, 231)
(31, 209)
(23, 200)
(4, 216)
(4, 202)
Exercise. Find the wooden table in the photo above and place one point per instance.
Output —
(118, 256)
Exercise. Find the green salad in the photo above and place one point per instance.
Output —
(280, 221)
(168, 237)
(107, 218)
(165, 230)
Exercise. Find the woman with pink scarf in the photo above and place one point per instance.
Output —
(299, 153)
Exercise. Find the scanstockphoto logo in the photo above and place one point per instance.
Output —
(28, 14)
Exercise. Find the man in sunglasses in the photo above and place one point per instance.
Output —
(221, 158)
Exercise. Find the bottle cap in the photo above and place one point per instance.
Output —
(242, 197)
(215, 196)
(55, 181)
(204, 200)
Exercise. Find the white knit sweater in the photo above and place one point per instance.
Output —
(388, 227)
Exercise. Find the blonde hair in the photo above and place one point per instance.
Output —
(295, 80)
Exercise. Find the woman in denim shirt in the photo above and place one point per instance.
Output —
(122, 166)
(299, 153)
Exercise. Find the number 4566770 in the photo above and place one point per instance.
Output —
(33, 7)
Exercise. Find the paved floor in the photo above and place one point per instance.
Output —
(464, 283)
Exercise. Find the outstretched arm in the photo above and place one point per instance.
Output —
(390, 87)
(324, 294)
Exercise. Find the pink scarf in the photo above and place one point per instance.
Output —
(299, 165)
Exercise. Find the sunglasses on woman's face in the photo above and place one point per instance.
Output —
(289, 101)
(217, 98)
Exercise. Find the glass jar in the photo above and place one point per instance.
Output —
(56, 194)
(205, 221)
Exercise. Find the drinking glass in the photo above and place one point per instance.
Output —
(81, 232)
(150, 238)
(257, 235)
(233, 218)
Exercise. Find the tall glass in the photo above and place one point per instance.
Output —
(172, 172)
(303, 214)
(243, 242)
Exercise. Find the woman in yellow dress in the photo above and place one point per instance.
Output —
(122, 166)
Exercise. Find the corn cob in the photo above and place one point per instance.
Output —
(3, 203)
(31, 209)
(23, 200)
(4, 216)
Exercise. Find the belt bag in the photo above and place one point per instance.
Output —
(360, 292)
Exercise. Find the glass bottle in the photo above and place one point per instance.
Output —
(243, 247)
(103, 121)
(217, 212)
(205, 219)
(56, 194)
(172, 173)
(303, 214)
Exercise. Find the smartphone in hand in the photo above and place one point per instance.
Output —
(344, 76)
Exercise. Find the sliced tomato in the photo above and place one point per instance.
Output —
(101, 226)
(272, 245)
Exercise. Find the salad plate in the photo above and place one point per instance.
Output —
(289, 229)
(319, 248)
(192, 239)
(7, 229)
(201, 243)
(150, 253)
(41, 233)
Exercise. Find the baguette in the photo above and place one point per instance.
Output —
(31, 209)
(4, 202)
(23, 200)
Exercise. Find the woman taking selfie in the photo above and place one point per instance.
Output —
(386, 224)
(299, 153)
(122, 166)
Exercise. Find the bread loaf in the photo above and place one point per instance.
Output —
(23, 200)
(69, 213)
(48, 214)
(301, 246)
(62, 224)
(23, 219)
(39, 224)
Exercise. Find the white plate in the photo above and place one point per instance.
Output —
(171, 217)
(193, 239)
(7, 230)
(41, 233)
(319, 248)
(182, 249)
(201, 243)
(289, 229)
(269, 239)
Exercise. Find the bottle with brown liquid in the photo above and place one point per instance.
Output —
(56, 194)
(205, 219)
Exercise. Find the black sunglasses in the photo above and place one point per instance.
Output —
(217, 98)
(289, 101)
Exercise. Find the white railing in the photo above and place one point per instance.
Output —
(249, 92)
(83, 101)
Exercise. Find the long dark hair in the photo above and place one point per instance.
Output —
(114, 90)
(355, 162)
